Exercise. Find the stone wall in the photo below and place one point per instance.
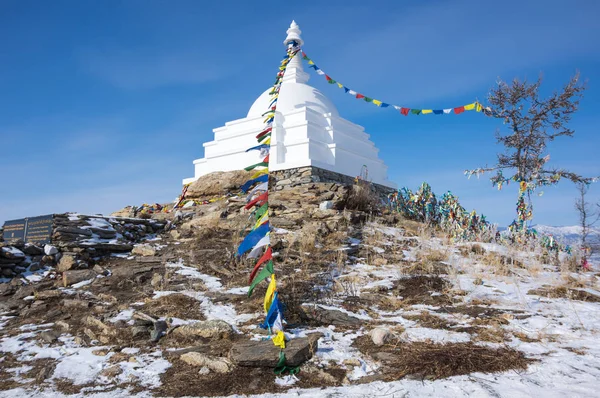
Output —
(310, 174)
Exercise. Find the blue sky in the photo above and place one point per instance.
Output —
(106, 103)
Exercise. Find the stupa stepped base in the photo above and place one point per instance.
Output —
(310, 174)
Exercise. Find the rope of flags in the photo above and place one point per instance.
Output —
(475, 106)
(257, 244)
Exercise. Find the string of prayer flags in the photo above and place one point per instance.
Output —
(258, 241)
(475, 106)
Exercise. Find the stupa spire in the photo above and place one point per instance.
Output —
(293, 34)
(295, 73)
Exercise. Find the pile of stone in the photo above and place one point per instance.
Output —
(101, 235)
(78, 241)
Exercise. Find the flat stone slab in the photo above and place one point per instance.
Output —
(264, 354)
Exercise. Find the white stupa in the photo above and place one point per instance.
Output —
(307, 132)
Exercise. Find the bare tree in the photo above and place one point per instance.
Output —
(588, 217)
(533, 122)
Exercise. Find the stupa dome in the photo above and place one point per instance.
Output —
(291, 97)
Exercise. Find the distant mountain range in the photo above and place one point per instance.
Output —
(569, 235)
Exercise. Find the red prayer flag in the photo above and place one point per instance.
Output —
(259, 201)
(460, 109)
(404, 111)
(263, 259)
(359, 96)
(327, 77)
(266, 160)
(262, 133)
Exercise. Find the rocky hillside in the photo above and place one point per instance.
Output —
(375, 306)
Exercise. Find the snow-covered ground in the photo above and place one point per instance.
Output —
(561, 334)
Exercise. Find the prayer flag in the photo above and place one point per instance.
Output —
(270, 294)
(262, 275)
(404, 111)
(252, 238)
(470, 107)
(426, 111)
(460, 109)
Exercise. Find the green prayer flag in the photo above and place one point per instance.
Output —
(262, 275)
(331, 81)
(415, 111)
(264, 164)
(261, 211)
(368, 99)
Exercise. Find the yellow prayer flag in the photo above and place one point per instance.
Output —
(279, 339)
(267, 141)
(270, 293)
(340, 85)
(310, 62)
(259, 173)
(426, 111)
(377, 102)
(261, 220)
(478, 109)
(470, 107)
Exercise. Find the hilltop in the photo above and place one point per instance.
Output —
(376, 305)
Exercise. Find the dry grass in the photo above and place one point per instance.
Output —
(175, 305)
(427, 320)
(436, 361)
(565, 292)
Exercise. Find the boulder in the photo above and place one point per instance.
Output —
(218, 183)
(67, 262)
(72, 277)
(12, 253)
(266, 354)
(216, 364)
(32, 250)
(50, 250)
(324, 316)
(143, 250)
(380, 335)
(208, 329)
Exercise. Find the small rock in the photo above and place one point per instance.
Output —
(74, 303)
(99, 270)
(216, 364)
(380, 335)
(326, 205)
(204, 371)
(139, 331)
(47, 294)
(207, 329)
(351, 362)
(143, 250)
(100, 353)
(112, 371)
(160, 327)
(380, 261)
(50, 250)
(49, 336)
(72, 277)
(64, 326)
(157, 280)
(118, 357)
(35, 267)
(66, 263)
(6, 289)
(175, 234)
